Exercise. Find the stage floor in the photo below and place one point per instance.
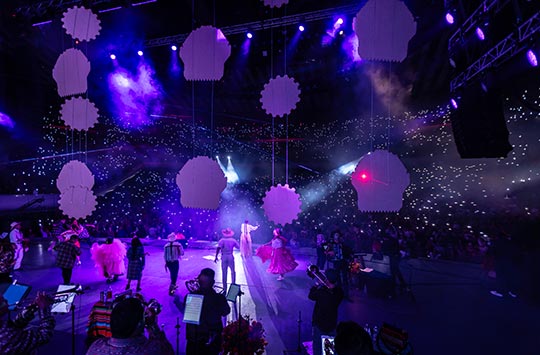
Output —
(449, 310)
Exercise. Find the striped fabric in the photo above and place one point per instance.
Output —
(173, 251)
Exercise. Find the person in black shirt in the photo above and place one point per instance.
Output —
(352, 339)
(327, 300)
(205, 338)
(339, 255)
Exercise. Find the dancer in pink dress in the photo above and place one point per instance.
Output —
(109, 258)
(281, 259)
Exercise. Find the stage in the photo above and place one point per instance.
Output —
(448, 311)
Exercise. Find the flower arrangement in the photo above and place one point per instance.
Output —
(243, 338)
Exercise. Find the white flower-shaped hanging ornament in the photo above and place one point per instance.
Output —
(77, 202)
(280, 96)
(79, 113)
(201, 182)
(81, 23)
(282, 204)
(71, 72)
(380, 179)
(204, 53)
(74, 174)
(275, 3)
(384, 28)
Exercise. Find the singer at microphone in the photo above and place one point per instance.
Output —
(327, 300)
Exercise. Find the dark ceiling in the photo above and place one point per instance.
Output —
(28, 54)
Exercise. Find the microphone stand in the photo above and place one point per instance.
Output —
(177, 335)
(299, 344)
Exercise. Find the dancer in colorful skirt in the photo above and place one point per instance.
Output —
(281, 259)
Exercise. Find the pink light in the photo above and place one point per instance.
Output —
(450, 18)
(363, 176)
(531, 57)
(480, 34)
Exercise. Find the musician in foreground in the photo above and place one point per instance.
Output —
(16, 337)
(327, 295)
(129, 317)
(205, 338)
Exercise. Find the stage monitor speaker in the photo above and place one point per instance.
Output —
(479, 125)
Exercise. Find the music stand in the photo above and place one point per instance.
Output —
(63, 303)
(16, 293)
(234, 292)
(193, 308)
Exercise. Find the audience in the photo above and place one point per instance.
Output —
(16, 337)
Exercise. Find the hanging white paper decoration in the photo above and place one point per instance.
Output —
(275, 3)
(79, 113)
(81, 23)
(74, 174)
(282, 204)
(380, 179)
(201, 182)
(384, 28)
(71, 72)
(204, 53)
(280, 96)
(77, 202)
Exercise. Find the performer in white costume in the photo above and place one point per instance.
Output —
(245, 239)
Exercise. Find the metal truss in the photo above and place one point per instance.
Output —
(262, 25)
(489, 7)
(39, 9)
(502, 52)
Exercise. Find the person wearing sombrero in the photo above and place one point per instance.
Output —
(226, 246)
(172, 253)
(16, 238)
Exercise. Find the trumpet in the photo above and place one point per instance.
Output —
(194, 287)
(316, 274)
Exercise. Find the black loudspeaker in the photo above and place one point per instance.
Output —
(479, 125)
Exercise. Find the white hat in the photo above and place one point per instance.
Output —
(171, 237)
(13, 224)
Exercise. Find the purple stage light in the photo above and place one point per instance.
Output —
(113, 57)
(531, 57)
(301, 28)
(6, 121)
(173, 47)
(339, 21)
(454, 103)
(140, 53)
(341, 33)
(480, 34)
(249, 35)
(449, 18)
